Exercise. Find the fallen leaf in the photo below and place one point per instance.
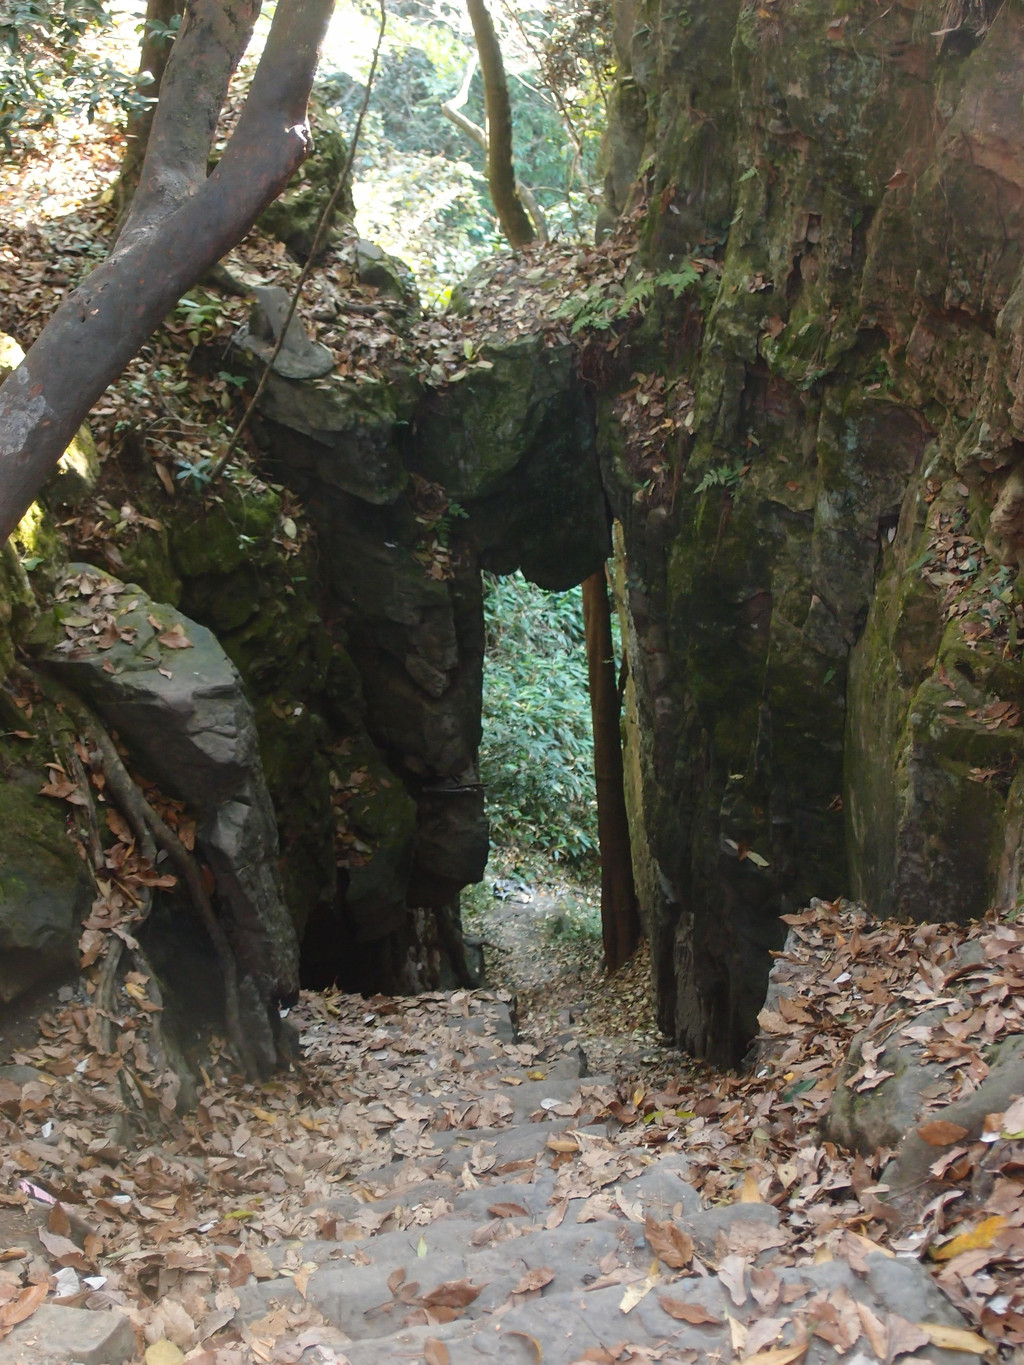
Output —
(563, 1144)
(175, 638)
(732, 1272)
(977, 1239)
(750, 1194)
(435, 1352)
(452, 1294)
(507, 1211)
(1012, 1125)
(693, 1313)
(904, 1337)
(669, 1243)
(955, 1338)
(634, 1293)
(22, 1307)
(941, 1133)
(163, 1352)
(780, 1355)
(533, 1279)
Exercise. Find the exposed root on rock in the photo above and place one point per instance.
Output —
(153, 834)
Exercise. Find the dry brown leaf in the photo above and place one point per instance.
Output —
(175, 638)
(435, 1352)
(694, 1313)
(762, 1332)
(557, 1215)
(780, 1355)
(669, 1243)
(453, 1294)
(750, 1194)
(563, 1144)
(533, 1279)
(62, 1249)
(941, 1133)
(531, 1341)
(22, 1307)
(904, 1337)
(507, 1211)
(955, 1338)
(875, 1330)
(732, 1273)
(58, 1221)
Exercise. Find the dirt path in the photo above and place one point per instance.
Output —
(542, 944)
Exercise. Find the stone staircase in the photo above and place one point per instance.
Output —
(539, 1239)
(518, 1222)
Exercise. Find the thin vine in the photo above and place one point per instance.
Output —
(321, 231)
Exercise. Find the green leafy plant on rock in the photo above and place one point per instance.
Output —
(600, 307)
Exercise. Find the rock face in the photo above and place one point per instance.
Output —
(502, 472)
(824, 616)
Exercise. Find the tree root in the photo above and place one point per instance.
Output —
(152, 832)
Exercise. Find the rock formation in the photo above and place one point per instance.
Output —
(816, 549)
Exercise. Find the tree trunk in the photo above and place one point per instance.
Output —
(156, 49)
(501, 175)
(180, 224)
(620, 920)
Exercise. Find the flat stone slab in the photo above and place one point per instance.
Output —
(69, 1336)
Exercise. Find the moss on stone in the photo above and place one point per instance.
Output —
(233, 528)
(44, 886)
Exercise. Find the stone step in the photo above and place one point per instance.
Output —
(55, 1335)
(559, 1322)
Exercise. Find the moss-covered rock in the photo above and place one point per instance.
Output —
(45, 889)
(293, 217)
(857, 413)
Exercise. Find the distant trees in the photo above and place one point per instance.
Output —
(46, 74)
(181, 222)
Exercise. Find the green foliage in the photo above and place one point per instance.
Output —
(202, 316)
(601, 306)
(46, 73)
(537, 753)
(195, 474)
(420, 186)
(721, 476)
(577, 922)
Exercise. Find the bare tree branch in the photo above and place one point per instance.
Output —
(326, 218)
(213, 37)
(453, 112)
(501, 174)
(99, 326)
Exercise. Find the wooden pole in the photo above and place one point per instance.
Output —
(620, 919)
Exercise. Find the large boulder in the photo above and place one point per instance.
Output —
(165, 685)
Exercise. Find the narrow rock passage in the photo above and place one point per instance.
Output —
(542, 945)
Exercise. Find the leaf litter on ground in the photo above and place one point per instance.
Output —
(168, 1222)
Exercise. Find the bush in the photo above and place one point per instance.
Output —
(46, 73)
(537, 755)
